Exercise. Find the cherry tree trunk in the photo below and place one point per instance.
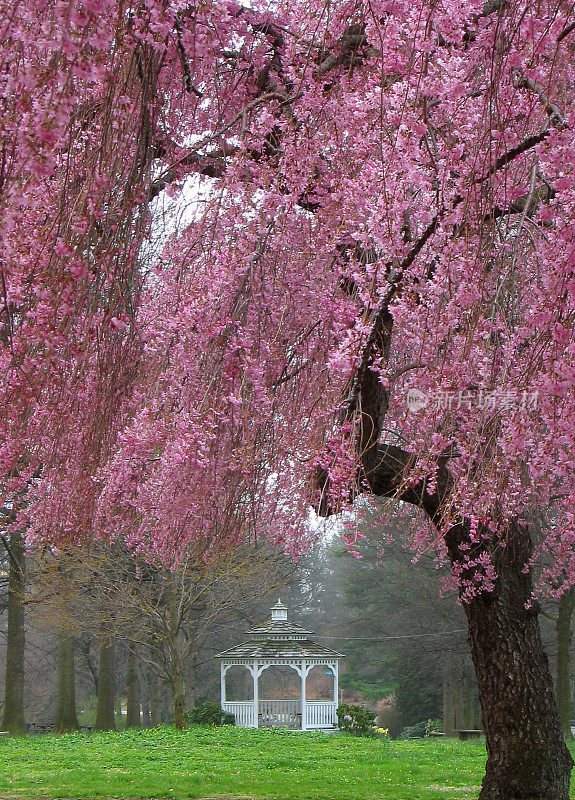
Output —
(527, 758)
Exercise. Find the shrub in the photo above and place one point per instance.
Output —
(387, 717)
(416, 731)
(209, 714)
(355, 719)
(434, 726)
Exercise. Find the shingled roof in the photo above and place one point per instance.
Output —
(279, 629)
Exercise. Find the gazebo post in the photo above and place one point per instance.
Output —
(303, 697)
(336, 689)
(223, 671)
(256, 676)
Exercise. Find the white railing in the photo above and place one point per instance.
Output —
(243, 713)
(320, 715)
(284, 713)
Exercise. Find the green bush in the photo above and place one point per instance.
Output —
(209, 714)
(417, 731)
(434, 726)
(356, 719)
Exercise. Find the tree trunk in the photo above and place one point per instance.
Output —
(155, 717)
(66, 719)
(105, 720)
(132, 691)
(118, 715)
(566, 604)
(469, 703)
(145, 699)
(177, 677)
(13, 716)
(179, 688)
(527, 758)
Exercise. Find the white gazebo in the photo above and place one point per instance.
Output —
(279, 643)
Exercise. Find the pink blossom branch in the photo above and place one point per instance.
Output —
(552, 109)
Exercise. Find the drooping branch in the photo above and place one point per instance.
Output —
(211, 164)
(190, 88)
(509, 156)
(347, 49)
(381, 317)
(553, 111)
(566, 31)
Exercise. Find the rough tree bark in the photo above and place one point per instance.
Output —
(66, 718)
(13, 716)
(527, 758)
(563, 627)
(527, 755)
(132, 690)
(105, 720)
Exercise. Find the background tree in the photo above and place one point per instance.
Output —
(133, 719)
(13, 713)
(163, 615)
(66, 718)
(564, 618)
(105, 713)
(560, 612)
(407, 644)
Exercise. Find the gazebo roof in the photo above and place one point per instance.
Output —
(279, 650)
(279, 629)
(279, 639)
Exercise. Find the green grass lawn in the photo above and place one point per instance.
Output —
(235, 763)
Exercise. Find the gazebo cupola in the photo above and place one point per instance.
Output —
(281, 643)
(279, 612)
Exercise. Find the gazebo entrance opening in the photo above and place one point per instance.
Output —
(279, 691)
(271, 648)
